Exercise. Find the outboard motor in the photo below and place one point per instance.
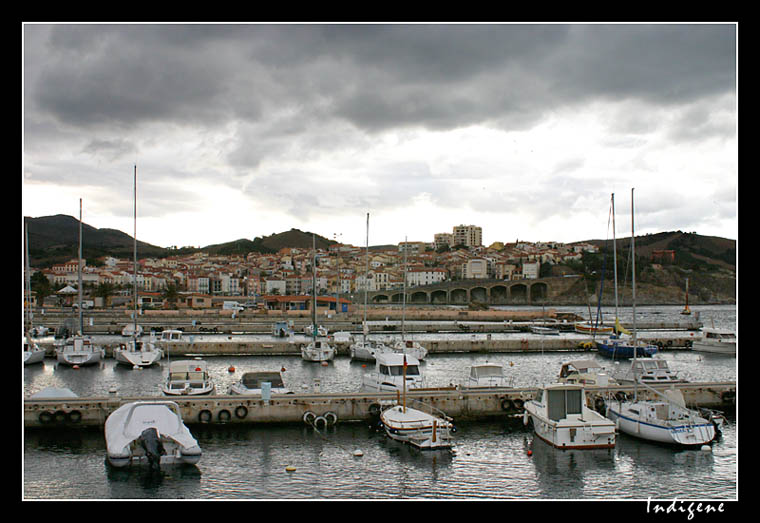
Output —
(151, 443)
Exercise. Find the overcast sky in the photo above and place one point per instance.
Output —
(240, 131)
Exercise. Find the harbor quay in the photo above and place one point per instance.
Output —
(317, 409)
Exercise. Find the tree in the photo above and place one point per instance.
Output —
(171, 294)
(105, 290)
(41, 286)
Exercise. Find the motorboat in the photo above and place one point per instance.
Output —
(716, 341)
(665, 420)
(425, 428)
(253, 382)
(149, 433)
(411, 348)
(544, 331)
(282, 329)
(617, 347)
(585, 372)
(366, 350)
(560, 417)
(487, 375)
(651, 371)
(79, 350)
(138, 353)
(393, 372)
(188, 378)
(318, 350)
(33, 353)
(132, 330)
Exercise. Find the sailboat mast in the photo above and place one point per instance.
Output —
(314, 288)
(614, 255)
(134, 265)
(79, 267)
(27, 284)
(633, 300)
(403, 297)
(366, 281)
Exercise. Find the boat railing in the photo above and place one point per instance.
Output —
(422, 406)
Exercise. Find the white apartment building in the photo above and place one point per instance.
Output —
(425, 276)
(468, 235)
(531, 269)
(443, 239)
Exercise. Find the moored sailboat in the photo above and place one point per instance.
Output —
(319, 348)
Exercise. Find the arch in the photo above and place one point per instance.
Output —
(380, 298)
(539, 292)
(418, 297)
(439, 296)
(518, 293)
(479, 294)
(458, 296)
(499, 294)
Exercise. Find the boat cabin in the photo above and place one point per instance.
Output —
(253, 380)
(392, 364)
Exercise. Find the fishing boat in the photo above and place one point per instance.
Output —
(487, 375)
(252, 383)
(585, 372)
(662, 420)
(425, 427)
(560, 417)
(149, 433)
(393, 372)
(716, 341)
(188, 378)
(138, 353)
(619, 347)
(318, 349)
(32, 353)
(404, 346)
(591, 328)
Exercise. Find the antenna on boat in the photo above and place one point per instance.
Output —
(633, 300)
(134, 265)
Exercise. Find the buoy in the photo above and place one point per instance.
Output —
(358, 453)
(75, 367)
(530, 453)
(324, 364)
(290, 468)
(231, 368)
(706, 448)
(282, 369)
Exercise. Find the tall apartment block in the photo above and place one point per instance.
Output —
(469, 235)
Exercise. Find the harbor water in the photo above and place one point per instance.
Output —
(494, 459)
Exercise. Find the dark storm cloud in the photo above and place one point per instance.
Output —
(374, 76)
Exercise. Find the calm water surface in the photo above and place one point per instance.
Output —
(490, 459)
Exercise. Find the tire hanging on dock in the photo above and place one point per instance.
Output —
(241, 412)
(205, 416)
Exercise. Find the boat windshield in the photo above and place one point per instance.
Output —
(398, 370)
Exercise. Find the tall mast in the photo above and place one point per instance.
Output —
(79, 267)
(614, 256)
(403, 298)
(314, 288)
(366, 282)
(134, 266)
(28, 283)
(633, 300)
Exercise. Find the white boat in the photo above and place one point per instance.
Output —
(252, 382)
(188, 378)
(366, 350)
(544, 331)
(170, 336)
(716, 341)
(318, 349)
(561, 418)
(666, 420)
(585, 372)
(149, 433)
(33, 353)
(392, 373)
(411, 348)
(427, 429)
(651, 371)
(138, 353)
(487, 375)
(79, 350)
(321, 331)
(132, 330)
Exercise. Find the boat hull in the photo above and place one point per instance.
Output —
(324, 352)
(80, 358)
(699, 433)
(591, 431)
(714, 348)
(33, 356)
(419, 429)
(624, 351)
(138, 358)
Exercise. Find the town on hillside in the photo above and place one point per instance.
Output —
(340, 269)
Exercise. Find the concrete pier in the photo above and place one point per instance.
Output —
(460, 404)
